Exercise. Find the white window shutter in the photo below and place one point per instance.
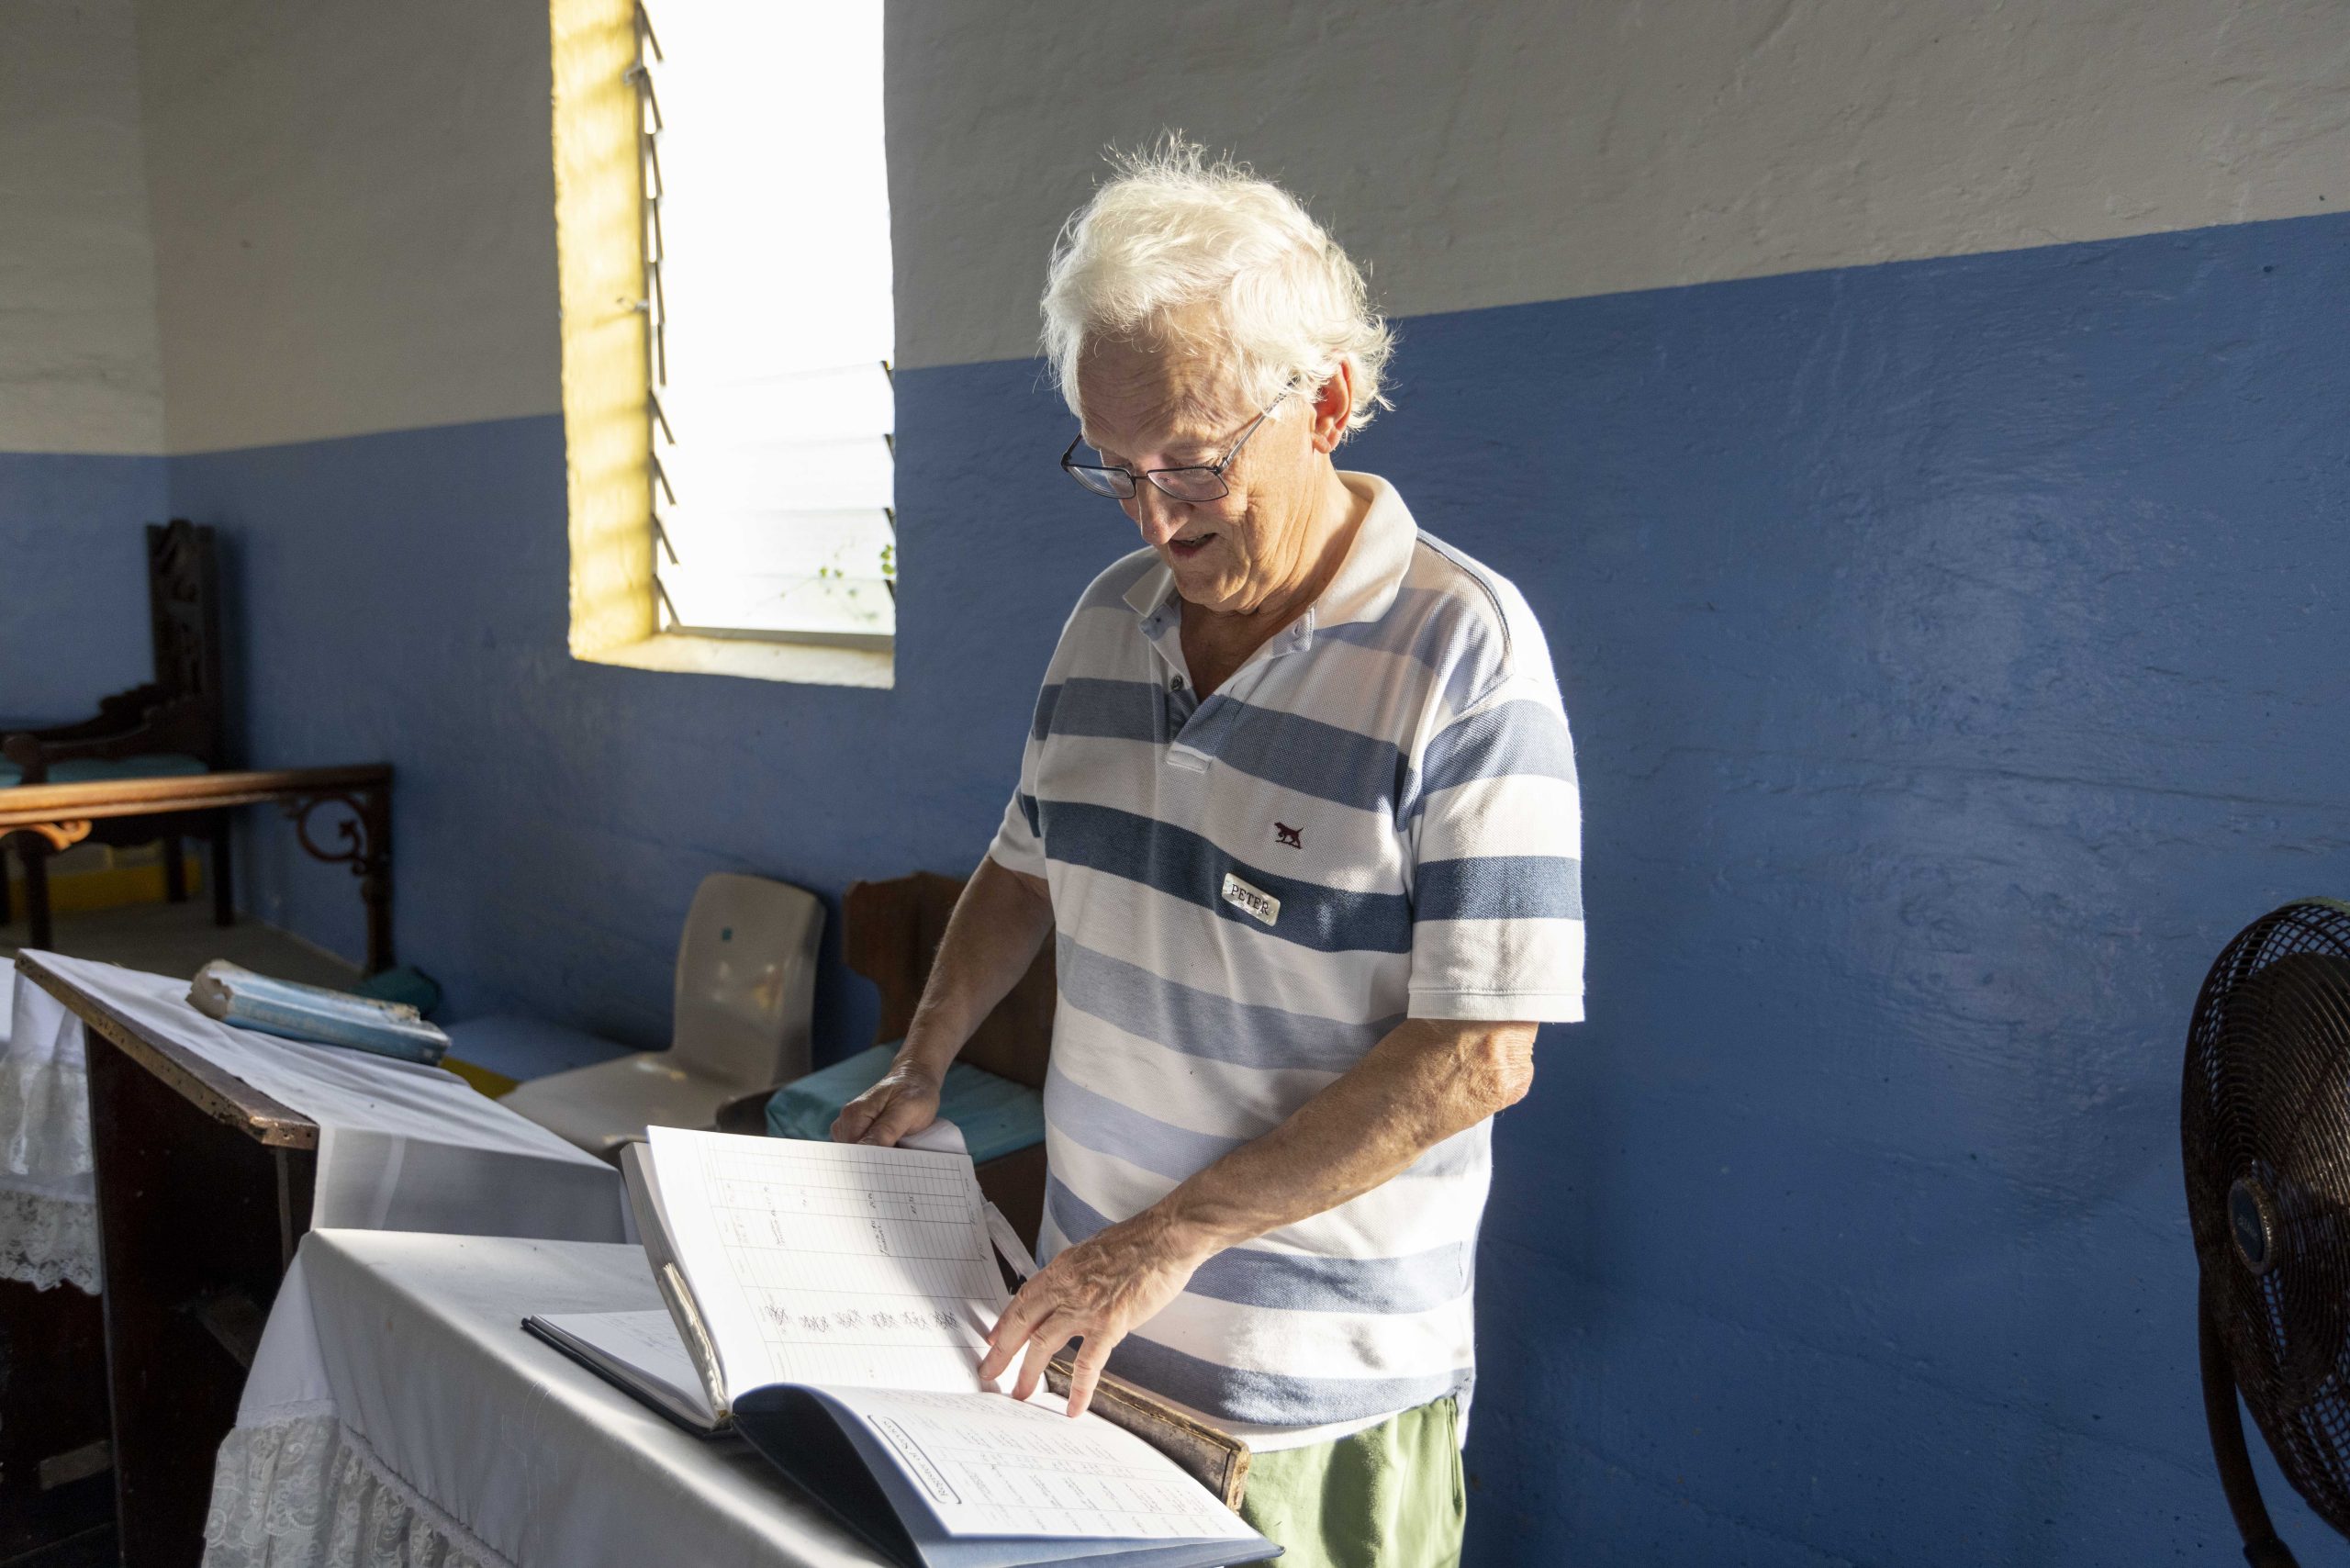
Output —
(769, 319)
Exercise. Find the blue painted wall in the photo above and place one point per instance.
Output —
(1956, 651)
(73, 579)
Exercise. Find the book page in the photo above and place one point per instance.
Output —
(989, 1466)
(829, 1263)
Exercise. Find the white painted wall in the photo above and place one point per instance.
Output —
(1482, 152)
(351, 200)
(355, 215)
(80, 370)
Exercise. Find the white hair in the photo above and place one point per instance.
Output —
(1173, 231)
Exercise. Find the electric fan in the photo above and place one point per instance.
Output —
(2265, 1121)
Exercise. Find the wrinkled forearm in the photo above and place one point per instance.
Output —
(999, 924)
(1425, 1082)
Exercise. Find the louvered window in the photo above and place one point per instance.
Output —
(768, 328)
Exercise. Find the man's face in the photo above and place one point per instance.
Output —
(1163, 405)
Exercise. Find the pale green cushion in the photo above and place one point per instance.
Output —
(997, 1116)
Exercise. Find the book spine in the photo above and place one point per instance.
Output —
(383, 1036)
(1216, 1459)
(696, 1334)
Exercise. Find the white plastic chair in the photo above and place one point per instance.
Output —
(746, 980)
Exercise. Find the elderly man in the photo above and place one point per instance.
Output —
(1298, 810)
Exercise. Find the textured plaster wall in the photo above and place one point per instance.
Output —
(80, 379)
(79, 365)
(354, 215)
(1479, 154)
(1484, 153)
(73, 580)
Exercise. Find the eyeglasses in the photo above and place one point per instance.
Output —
(1194, 484)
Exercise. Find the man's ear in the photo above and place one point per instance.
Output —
(1334, 405)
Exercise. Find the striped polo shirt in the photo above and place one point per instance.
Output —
(1375, 818)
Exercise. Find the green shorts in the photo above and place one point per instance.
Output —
(1389, 1497)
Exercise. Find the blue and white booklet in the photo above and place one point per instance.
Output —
(296, 1012)
(830, 1302)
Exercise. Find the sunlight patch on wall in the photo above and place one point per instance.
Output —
(600, 232)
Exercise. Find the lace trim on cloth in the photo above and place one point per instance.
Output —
(47, 1242)
(309, 1492)
(49, 1215)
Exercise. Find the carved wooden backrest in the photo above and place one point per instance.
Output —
(183, 618)
(890, 932)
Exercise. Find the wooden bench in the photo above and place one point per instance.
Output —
(60, 815)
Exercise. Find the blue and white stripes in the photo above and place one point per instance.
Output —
(1392, 778)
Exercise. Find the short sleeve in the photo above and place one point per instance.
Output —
(1497, 830)
(1017, 846)
(1020, 843)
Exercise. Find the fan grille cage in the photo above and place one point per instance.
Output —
(2265, 1110)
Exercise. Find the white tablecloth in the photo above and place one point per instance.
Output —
(400, 1146)
(397, 1414)
(49, 1217)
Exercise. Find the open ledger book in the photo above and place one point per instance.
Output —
(830, 1303)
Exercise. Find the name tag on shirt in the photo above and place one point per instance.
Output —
(1248, 901)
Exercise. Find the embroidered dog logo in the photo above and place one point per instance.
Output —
(1293, 836)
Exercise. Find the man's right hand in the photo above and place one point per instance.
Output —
(904, 1102)
(999, 924)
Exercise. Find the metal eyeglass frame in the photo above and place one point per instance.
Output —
(1134, 481)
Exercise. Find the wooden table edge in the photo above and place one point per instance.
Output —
(24, 805)
(219, 1093)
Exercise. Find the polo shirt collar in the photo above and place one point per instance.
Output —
(1372, 573)
(1364, 588)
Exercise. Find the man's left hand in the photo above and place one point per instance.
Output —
(1098, 1291)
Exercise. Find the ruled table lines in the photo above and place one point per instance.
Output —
(849, 1266)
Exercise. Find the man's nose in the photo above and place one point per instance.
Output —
(1159, 515)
